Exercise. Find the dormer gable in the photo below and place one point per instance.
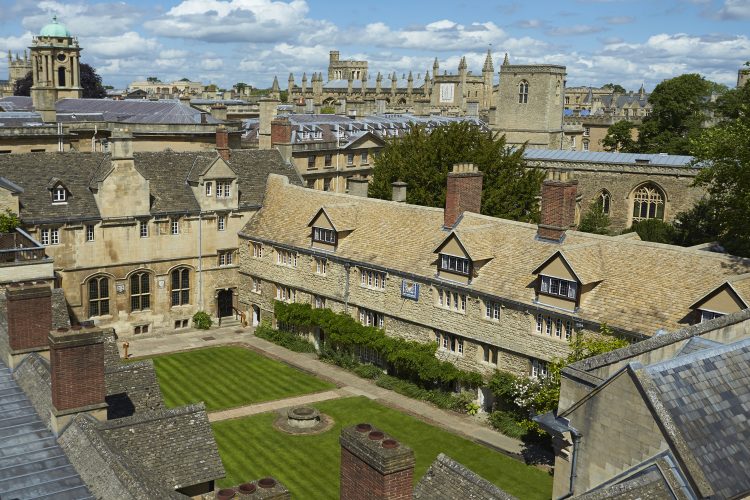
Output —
(364, 140)
(557, 284)
(217, 187)
(722, 300)
(331, 224)
(58, 192)
(454, 262)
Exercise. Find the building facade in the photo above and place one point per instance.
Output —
(492, 293)
(18, 68)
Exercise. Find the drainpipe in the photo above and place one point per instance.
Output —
(200, 260)
(93, 140)
(573, 461)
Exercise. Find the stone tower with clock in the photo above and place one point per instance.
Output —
(55, 66)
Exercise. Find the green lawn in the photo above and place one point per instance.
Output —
(226, 377)
(309, 465)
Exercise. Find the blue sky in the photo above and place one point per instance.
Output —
(225, 41)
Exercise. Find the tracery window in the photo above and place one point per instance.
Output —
(140, 292)
(98, 288)
(180, 287)
(523, 92)
(648, 203)
(604, 201)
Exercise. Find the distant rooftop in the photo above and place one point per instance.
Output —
(614, 158)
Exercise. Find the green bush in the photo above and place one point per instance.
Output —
(288, 340)
(339, 358)
(506, 422)
(202, 320)
(441, 399)
(368, 371)
(8, 221)
(655, 230)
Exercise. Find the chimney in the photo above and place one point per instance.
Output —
(267, 488)
(357, 186)
(222, 143)
(77, 374)
(268, 111)
(29, 316)
(558, 206)
(281, 130)
(398, 191)
(374, 465)
(219, 111)
(464, 193)
(122, 146)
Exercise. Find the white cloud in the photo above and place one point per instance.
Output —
(82, 19)
(126, 45)
(16, 43)
(735, 9)
(443, 35)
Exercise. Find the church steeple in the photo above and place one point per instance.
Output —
(506, 61)
(488, 66)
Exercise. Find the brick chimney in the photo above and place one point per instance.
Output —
(77, 374)
(222, 142)
(281, 131)
(374, 465)
(29, 313)
(558, 206)
(464, 193)
(398, 191)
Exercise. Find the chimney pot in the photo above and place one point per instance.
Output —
(398, 191)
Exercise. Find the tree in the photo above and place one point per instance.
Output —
(614, 87)
(595, 220)
(9, 221)
(91, 83)
(240, 86)
(724, 150)
(620, 137)
(153, 79)
(696, 226)
(184, 79)
(679, 109)
(423, 159)
(655, 230)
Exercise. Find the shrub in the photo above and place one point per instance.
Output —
(368, 371)
(8, 221)
(202, 320)
(288, 340)
(506, 423)
(441, 399)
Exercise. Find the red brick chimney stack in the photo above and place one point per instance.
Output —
(77, 370)
(29, 312)
(281, 131)
(222, 143)
(464, 193)
(374, 466)
(558, 206)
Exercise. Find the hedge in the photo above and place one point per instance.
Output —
(411, 360)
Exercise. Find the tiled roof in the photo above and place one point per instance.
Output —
(604, 157)
(130, 111)
(166, 171)
(649, 483)
(32, 464)
(637, 293)
(447, 479)
(16, 103)
(707, 396)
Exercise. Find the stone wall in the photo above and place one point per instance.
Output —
(513, 335)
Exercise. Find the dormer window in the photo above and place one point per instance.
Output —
(223, 189)
(59, 195)
(558, 287)
(458, 265)
(709, 315)
(323, 235)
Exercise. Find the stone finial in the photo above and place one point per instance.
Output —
(462, 64)
(427, 76)
(506, 61)
(379, 78)
(410, 78)
(304, 77)
(488, 66)
(291, 77)
(435, 66)
(275, 86)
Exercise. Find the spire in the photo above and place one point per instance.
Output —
(462, 64)
(291, 77)
(304, 77)
(426, 76)
(506, 61)
(393, 77)
(488, 66)
(641, 91)
(410, 78)
(10, 56)
(275, 86)
(379, 78)
(435, 66)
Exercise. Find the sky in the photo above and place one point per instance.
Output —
(630, 42)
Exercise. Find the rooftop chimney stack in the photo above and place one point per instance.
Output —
(374, 465)
(398, 191)
(358, 186)
(558, 206)
(222, 143)
(77, 374)
(464, 193)
(29, 316)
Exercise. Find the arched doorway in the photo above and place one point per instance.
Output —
(224, 303)
(256, 315)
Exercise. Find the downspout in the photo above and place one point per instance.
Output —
(93, 140)
(573, 461)
(200, 260)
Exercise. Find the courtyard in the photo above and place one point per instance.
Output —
(230, 377)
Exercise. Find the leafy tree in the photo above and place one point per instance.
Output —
(679, 109)
(184, 79)
(620, 137)
(725, 152)
(284, 96)
(211, 88)
(696, 226)
(423, 160)
(240, 86)
(614, 87)
(153, 79)
(91, 83)
(655, 230)
(9, 221)
(595, 220)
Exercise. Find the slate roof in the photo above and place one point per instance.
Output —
(413, 232)
(176, 446)
(166, 171)
(447, 479)
(32, 464)
(20, 119)
(649, 483)
(707, 396)
(611, 158)
(130, 111)
(16, 103)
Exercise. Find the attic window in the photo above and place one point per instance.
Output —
(559, 287)
(456, 265)
(58, 194)
(324, 235)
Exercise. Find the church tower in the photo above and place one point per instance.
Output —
(55, 63)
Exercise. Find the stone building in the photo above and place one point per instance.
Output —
(141, 241)
(743, 76)
(526, 104)
(56, 118)
(664, 418)
(18, 68)
(629, 186)
(493, 293)
(336, 153)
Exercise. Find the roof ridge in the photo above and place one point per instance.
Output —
(709, 352)
(153, 415)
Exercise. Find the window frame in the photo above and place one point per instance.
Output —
(102, 301)
(209, 188)
(223, 189)
(461, 265)
(324, 235)
(183, 292)
(321, 265)
(549, 283)
(225, 257)
(90, 235)
(257, 249)
(141, 277)
(174, 227)
(221, 222)
(328, 160)
(59, 194)
(143, 229)
(492, 310)
(523, 92)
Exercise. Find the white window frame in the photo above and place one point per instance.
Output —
(225, 257)
(453, 264)
(54, 236)
(59, 195)
(44, 236)
(285, 293)
(350, 159)
(221, 222)
(90, 232)
(707, 315)
(321, 263)
(451, 300)
(548, 326)
(224, 189)
(374, 280)
(286, 258)
(324, 235)
(257, 249)
(539, 368)
(256, 285)
(492, 310)
(369, 317)
(319, 302)
(174, 227)
(143, 229)
(209, 188)
(558, 287)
